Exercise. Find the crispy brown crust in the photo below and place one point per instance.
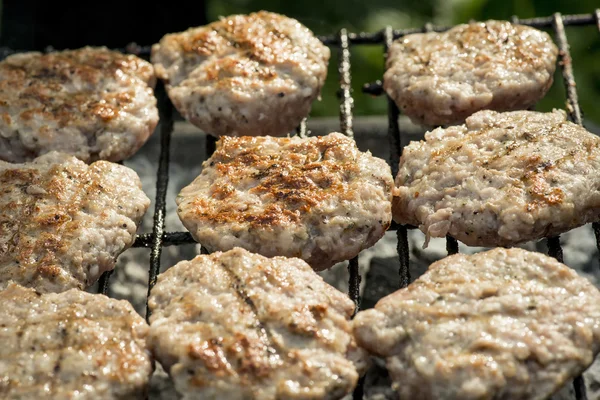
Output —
(320, 198)
(244, 75)
(89, 342)
(443, 78)
(89, 91)
(501, 179)
(305, 176)
(49, 210)
(239, 324)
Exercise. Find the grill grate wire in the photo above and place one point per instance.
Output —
(343, 40)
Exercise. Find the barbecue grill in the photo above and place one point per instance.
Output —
(342, 42)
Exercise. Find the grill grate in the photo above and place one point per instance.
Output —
(342, 41)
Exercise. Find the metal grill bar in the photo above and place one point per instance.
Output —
(181, 238)
(346, 100)
(211, 145)
(393, 114)
(346, 105)
(566, 65)
(403, 255)
(396, 147)
(596, 225)
(451, 245)
(574, 111)
(554, 248)
(103, 282)
(301, 129)
(162, 181)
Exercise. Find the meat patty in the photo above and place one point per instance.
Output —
(505, 324)
(71, 345)
(92, 103)
(318, 198)
(238, 325)
(501, 179)
(442, 78)
(244, 75)
(63, 223)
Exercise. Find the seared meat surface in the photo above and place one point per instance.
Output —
(507, 324)
(244, 75)
(71, 345)
(238, 325)
(93, 103)
(442, 78)
(501, 179)
(318, 198)
(63, 223)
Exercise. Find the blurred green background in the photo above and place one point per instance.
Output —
(328, 16)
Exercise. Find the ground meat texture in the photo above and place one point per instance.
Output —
(507, 324)
(318, 198)
(93, 103)
(71, 345)
(501, 179)
(442, 78)
(63, 223)
(238, 325)
(244, 75)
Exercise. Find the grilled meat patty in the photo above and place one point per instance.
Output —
(63, 223)
(501, 179)
(71, 345)
(507, 324)
(238, 325)
(442, 78)
(318, 198)
(244, 75)
(92, 103)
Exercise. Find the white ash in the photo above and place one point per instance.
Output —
(130, 278)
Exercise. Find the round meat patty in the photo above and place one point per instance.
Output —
(318, 198)
(71, 345)
(442, 78)
(92, 103)
(501, 179)
(507, 324)
(244, 75)
(63, 223)
(238, 325)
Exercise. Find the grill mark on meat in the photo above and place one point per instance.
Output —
(500, 179)
(213, 71)
(479, 318)
(295, 188)
(85, 343)
(319, 198)
(66, 333)
(48, 221)
(238, 324)
(51, 242)
(55, 101)
(264, 332)
(442, 78)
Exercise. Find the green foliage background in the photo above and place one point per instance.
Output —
(328, 16)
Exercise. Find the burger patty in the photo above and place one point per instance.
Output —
(507, 324)
(244, 75)
(318, 198)
(501, 179)
(63, 223)
(442, 78)
(92, 103)
(71, 345)
(238, 325)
